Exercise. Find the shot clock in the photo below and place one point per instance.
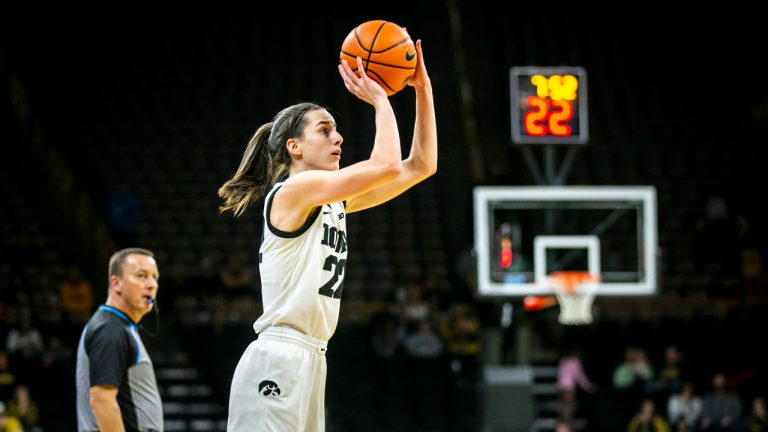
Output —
(549, 105)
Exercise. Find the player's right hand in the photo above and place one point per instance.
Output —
(361, 85)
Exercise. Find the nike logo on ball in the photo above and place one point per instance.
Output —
(409, 56)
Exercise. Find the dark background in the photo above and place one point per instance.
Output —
(117, 131)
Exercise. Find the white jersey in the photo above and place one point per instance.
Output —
(302, 272)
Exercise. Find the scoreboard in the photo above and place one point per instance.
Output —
(549, 105)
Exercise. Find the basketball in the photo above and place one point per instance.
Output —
(388, 53)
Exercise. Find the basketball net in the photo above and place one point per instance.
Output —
(575, 291)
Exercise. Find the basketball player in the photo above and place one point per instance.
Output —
(293, 161)
(116, 385)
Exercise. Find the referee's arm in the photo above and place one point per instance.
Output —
(105, 408)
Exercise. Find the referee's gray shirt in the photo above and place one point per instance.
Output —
(111, 353)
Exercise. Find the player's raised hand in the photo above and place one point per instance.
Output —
(420, 77)
(360, 84)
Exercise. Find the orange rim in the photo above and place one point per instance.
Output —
(571, 279)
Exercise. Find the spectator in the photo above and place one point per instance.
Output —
(25, 347)
(424, 343)
(24, 408)
(8, 423)
(461, 331)
(721, 408)
(758, 419)
(570, 378)
(669, 380)
(634, 371)
(630, 380)
(670, 374)
(647, 420)
(684, 409)
(25, 340)
(414, 308)
(76, 296)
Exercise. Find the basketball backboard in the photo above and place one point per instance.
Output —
(523, 234)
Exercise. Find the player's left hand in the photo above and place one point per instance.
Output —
(420, 78)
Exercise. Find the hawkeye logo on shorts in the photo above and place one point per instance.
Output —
(269, 388)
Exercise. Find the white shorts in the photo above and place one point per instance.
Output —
(279, 384)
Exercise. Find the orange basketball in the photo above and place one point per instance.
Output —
(388, 53)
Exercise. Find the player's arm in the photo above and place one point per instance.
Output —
(309, 189)
(422, 161)
(105, 408)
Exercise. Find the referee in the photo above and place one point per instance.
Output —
(116, 385)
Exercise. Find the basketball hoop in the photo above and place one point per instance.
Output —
(575, 291)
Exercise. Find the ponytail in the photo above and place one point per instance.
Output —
(251, 179)
(265, 160)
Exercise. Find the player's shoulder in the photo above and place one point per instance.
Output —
(272, 192)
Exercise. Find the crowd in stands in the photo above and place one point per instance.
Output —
(667, 396)
(424, 356)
